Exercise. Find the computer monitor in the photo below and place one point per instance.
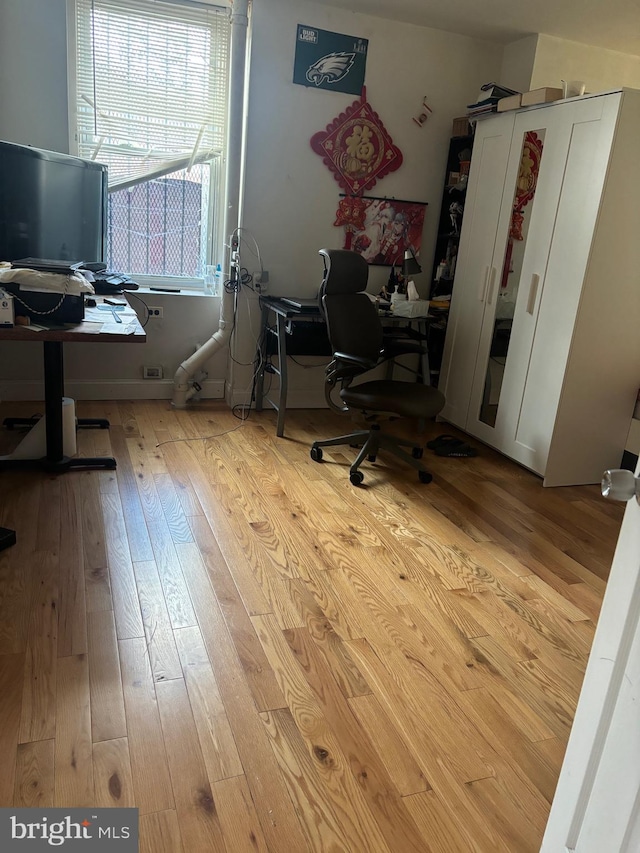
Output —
(52, 205)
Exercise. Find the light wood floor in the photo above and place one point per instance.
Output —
(261, 657)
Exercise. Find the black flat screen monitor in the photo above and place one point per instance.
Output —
(52, 205)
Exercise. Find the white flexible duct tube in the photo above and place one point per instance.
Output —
(182, 391)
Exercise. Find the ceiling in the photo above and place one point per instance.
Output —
(612, 24)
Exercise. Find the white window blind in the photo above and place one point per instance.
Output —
(149, 88)
(151, 85)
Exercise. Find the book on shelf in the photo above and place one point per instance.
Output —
(541, 96)
(481, 109)
(488, 99)
(512, 102)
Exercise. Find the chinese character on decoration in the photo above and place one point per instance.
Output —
(357, 148)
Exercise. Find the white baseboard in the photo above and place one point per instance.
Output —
(295, 399)
(151, 389)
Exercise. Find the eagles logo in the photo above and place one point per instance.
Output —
(330, 68)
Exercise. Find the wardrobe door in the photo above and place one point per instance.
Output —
(516, 278)
(477, 240)
(547, 318)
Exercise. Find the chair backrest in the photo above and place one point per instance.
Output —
(353, 324)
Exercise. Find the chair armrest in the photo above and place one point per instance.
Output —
(394, 347)
(355, 361)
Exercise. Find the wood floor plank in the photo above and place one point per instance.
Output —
(273, 805)
(173, 512)
(229, 585)
(311, 671)
(440, 829)
(321, 787)
(48, 535)
(196, 809)
(241, 828)
(34, 786)
(95, 554)
(97, 589)
(72, 621)
(107, 703)
(38, 713)
(137, 533)
(161, 646)
(180, 479)
(349, 678)
(258, 672)
(224, 543)
(126, 606)
(11, 680)
(160, 833)
(214, 732)
(394, 753)
(149, 769)
(112, 774)
(178, 603)
(73, 763)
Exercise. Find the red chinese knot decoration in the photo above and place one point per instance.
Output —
(351, 213)
(357, 148)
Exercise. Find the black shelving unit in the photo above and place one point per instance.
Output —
(451, 213)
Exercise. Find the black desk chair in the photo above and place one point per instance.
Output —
(358, 345)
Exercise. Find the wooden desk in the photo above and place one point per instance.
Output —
(108, 332)
(287, 316)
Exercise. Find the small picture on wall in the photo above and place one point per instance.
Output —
(381, 229)
(328, 60)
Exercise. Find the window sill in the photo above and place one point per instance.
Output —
(144, 291)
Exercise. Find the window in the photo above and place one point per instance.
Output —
(149, 83)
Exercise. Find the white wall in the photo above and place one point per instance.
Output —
(290, 196)
(518, 60)
(600, 69)
(33, 93)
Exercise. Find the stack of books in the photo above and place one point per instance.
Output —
(488, 99)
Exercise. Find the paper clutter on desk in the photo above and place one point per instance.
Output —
(411, 308)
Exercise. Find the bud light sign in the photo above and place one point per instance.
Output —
(327, 60)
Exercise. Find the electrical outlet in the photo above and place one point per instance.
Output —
(261, 281)
(155, 311)
(152, 371)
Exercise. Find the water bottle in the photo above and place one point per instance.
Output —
(217, 286)
(213, 280)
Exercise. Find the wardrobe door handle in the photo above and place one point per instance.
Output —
(492, 281)
(533, 292)
(483, 285)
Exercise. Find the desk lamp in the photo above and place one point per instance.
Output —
(410, 265)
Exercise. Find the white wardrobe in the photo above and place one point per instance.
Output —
(542, 351)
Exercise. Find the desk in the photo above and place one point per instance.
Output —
(52, 341)
(287, 316)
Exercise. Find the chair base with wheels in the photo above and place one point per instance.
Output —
(370, 442)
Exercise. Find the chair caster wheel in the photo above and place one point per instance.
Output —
(425, 476)
(356, 478)
(371, 458)
(417, 452)
(316, 454)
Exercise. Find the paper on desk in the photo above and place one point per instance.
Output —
(101, 321)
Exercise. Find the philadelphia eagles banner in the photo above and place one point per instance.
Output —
(329, 60)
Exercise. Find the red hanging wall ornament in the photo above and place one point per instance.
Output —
(357, 148)
(351, 214)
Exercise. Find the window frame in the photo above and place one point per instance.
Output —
(213, 218)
